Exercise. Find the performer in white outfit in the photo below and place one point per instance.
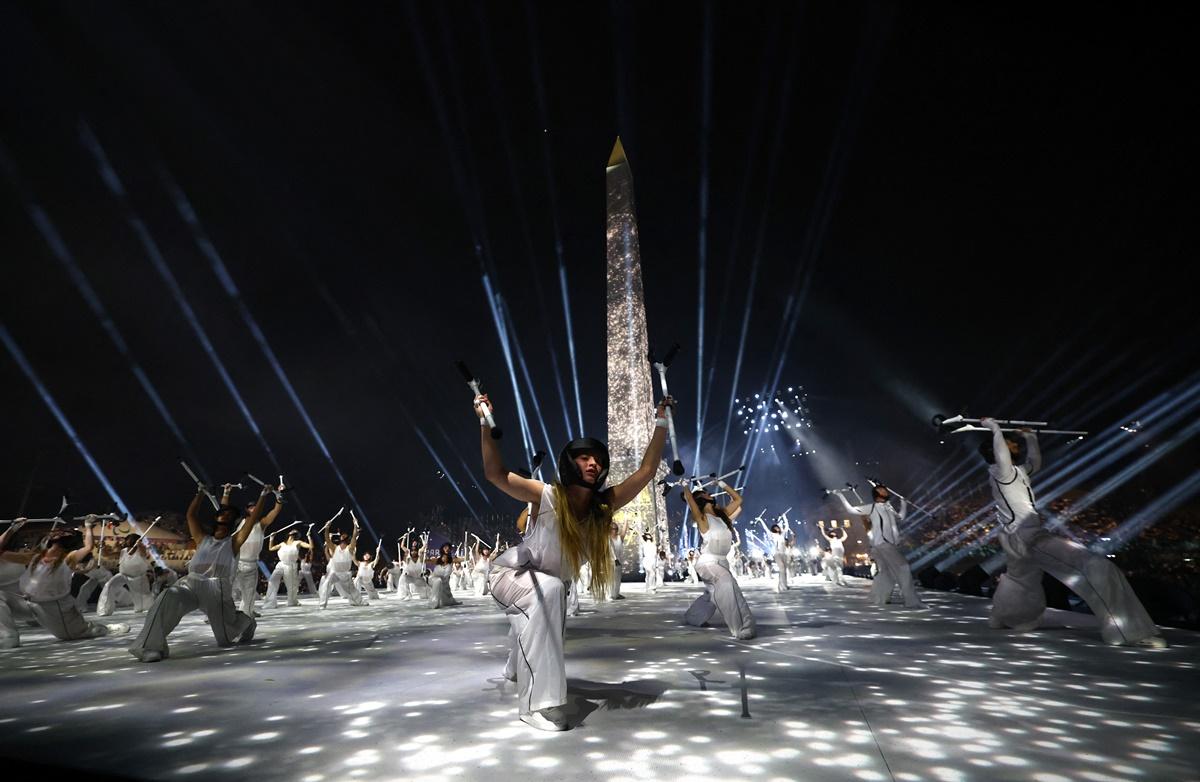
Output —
(693, 576)
(412, 586)
(45, 588)
(885, 538)
(131, 576)
(287, 569)
(721, 591)
(164, 578)
(306, 569)
(779, 544)
(13, 608)
(649, 555)
(364, 577)
(339, 554)
(97, 576)
(482, 567)
(570, 528)
(835, 560)
(208, 585)
(616, 546)
(1020, 601)
(245, 583)
(440, 595)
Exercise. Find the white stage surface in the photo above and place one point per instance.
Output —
(832, 689)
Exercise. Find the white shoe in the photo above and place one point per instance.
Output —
(537, 720)
(1153, 642)
(120, 628)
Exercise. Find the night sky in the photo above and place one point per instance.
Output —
(987, 210)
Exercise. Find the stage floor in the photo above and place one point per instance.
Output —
(832, 689)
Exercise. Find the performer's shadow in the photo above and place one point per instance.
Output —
(584, 697)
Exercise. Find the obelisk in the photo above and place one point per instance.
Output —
(631, 396)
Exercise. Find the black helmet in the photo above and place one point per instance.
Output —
(569, 473)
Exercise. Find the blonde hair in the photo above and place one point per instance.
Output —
(586, 540)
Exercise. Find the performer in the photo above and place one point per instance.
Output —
(13, 608)
(1020, 601)
(208, 585)
(245, 583)
(721, 591)
(364, 578)
(339, 553)
(616, 546)
(412, 586)
(440, 595)
(287, 569)
(649, 554)
(693, 577)
(571, 528)
(885, 537)
(164, 577)
(306, 571)
(779, 544)
(131, 575)
(836, 558)
(483, 565)
(97, 576)
(45, 587)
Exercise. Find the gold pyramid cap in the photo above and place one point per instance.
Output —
(618, 154)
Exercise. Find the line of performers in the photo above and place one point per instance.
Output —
(570, 543)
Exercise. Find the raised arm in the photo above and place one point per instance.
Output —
(271, 544)
(624, 492)
(1033, 452)
(195, 528)
(903, 509)
(88, 541)
(854, 510)
(512, 484)
(243, 532)
(269, 519)
(735, 502)
(1000, 452)
(354, 532)
(9, 533)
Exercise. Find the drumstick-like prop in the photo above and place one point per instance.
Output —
(473, 382)
(147, 532)
(661, 366)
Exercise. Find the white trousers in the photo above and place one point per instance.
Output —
(393, 584)
(366, 583)
(535, 604)
(573, 599)
(63, 620)
(833, 570)
(781, 568)
(289, 576)
(213, 596)
(721, 595)
(245, 586)
(14, 609)
(651, 578)
(137, 587)
(1020, 601)
(614, 589)
(96, 578)
(345, 586)
(309, 584)
(411, 587)
(893, 570)
(479, 582)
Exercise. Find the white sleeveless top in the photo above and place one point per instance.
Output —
(649, 553)
(254, 542)
(779, 547)
(1014, 500)
(413, 569)
(837, 548)
(617, 546)
(365, 569)
(213, 558)
(717, 541)
(482, 564)
(340, 562)
(289, 553)
(541, 548)
(45, 582)
(443, 571)
(132, 563)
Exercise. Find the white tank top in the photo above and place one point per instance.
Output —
(618, 547)
(213, 558)
(778, 546)
(1015, 502)
(253, 546)
(306, 566)
(413, 569)
(542, 548)
(289, 553)
(44, 582)
(649, 553)
(340, 563)
(132, 563)
(365, 569)
(442, 571)
(482, 564)
(837, 548)
(717, 541)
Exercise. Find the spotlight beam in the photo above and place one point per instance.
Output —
(702, 240)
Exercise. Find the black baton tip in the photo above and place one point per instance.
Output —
(497, 433)
(678, 468)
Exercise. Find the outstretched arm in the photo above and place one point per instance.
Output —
(512, 484)
(1000, 452)
(856, 510)
(624, 492)
(697, 514)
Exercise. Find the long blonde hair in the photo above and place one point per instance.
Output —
(586, 540)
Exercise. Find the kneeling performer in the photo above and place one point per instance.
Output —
(721, 591)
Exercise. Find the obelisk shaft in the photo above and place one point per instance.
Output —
(630, 393)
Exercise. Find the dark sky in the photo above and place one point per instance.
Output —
(981, 209)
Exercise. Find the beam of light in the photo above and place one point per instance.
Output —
(552, 192)
(702, 240)
(1149, 515)
(500, 105)
(58, 248)
(113, 182)
(209, 251)
(785, 99)
(445, 470)
(494, 305)
(533, 395)
(19, 357)
(866, 64)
